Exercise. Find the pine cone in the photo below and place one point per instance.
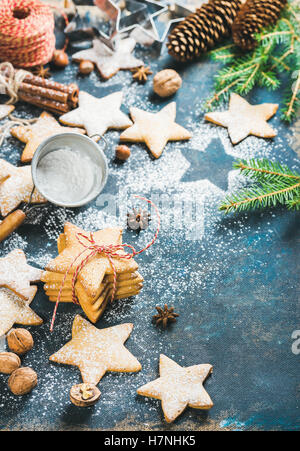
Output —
(252, 17)
(203, 29)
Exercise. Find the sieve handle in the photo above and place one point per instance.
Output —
(101, 138)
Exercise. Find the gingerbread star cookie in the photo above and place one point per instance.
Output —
(243, 119)
(155, 129)
(5, 110)
(16, 186)
(178, 387)
(97, 115)
(96, 351)
(17, 275)
(14, 310)
(33, 135)
(109, 61)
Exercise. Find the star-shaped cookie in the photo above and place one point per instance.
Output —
(17, 275)
(34, 134)
(14, 310)
(178, 387)
(96, 351)
(109, 61)
(5, 110)
(97, 115)
(16, 186)
(243, 119)
(155, 129)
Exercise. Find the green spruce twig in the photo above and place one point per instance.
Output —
(277, 50)
(275, 184)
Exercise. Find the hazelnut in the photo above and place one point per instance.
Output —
(86, 67)
(166, 82)
(122, 152)
(22, 381)
(9, 362)
(20, 341)
(84, 395)
(60, 58)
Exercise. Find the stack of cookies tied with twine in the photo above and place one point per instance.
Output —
(93, 278)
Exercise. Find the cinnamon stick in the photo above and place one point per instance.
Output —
(72, 90)
(51, 105)
(73, 94)
(51, 94)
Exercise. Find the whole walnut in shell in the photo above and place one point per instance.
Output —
(166, 82)
(9, 362)
(84, 395)
(22, 381)
(19, 341)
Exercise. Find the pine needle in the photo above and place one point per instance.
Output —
(278, 50)
(275, 184)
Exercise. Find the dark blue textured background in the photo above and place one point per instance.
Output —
(241, 320)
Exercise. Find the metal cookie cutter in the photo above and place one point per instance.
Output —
(174, 13)
(104, 19)
(162, 17)
(92, 22)
(147, 21)
(145, 32)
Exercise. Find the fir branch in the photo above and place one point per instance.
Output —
(221, 94)
(294, 204)
(227, 52)
(269, 80)
(280, 62)
(261, 198)
(268, 169)
(249, 83)
(275, 184)
(278, 50)
(291, 105)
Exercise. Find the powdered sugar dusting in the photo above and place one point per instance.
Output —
(199, 263)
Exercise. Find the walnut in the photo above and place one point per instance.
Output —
(20, 341)
(84, 395)
(9, 362)
(166, 82)
(22, 381)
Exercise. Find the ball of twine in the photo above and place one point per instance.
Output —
(26, 32)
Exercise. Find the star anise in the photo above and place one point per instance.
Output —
(164, 316)
(138, 219)
(41, 71)
(140, 74)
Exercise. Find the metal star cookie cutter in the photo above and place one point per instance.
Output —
(116, 18)
(139, 23)
(86, 24)
(148, 33)
(174, 13)
(145, 33)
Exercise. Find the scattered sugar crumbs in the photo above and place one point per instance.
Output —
(190, 220)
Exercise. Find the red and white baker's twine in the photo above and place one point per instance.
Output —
(110, 251)
(27, 32)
